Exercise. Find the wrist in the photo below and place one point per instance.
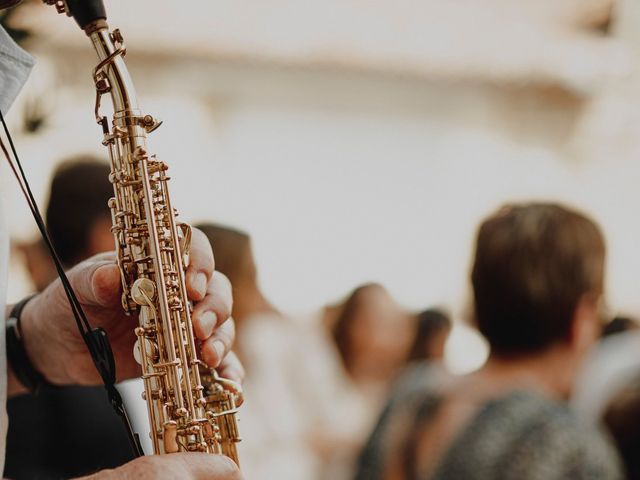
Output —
(34, 340)
(22, 376)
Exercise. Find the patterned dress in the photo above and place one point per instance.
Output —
(517, 436)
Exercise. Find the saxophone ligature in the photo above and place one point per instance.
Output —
(190, 407)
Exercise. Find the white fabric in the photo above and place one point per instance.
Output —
(4, 256)
(612, 364)
(298, 403)
(272, 419)
(15, 65)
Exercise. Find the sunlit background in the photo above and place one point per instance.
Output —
(362, 141)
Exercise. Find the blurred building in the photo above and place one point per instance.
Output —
(362, 141)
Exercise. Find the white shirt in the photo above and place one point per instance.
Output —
(275, 440)
(611, 365)
(15, 65)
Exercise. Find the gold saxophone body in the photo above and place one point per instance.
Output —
(190, 407)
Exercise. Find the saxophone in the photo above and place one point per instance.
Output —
(190, 407)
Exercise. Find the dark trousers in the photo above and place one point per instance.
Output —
(63, 433)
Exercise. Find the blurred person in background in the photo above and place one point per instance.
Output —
(538, 278)
(620, 325)
(62, 431)
(622, 418)
(433, 327)
(77, 216)
(372, 335)
(424, 366)
(611, 365)
(278, 411)
(369, 326)
(608, 389)
(37, 263)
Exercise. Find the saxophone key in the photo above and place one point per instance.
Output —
(150, 350)
(155, 394)
(128, 305)
(197, 447)
(143, 291)
(176, 304)
(189, 430)
(170, 437)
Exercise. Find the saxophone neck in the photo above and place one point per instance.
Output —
(111, 74)
(112, 77)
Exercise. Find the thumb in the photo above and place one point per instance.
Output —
(96, 282)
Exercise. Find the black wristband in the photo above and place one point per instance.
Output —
(17, 356)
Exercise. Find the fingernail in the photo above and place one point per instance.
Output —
(200, 284)
(218, 346)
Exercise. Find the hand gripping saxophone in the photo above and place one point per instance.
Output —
(190, 407)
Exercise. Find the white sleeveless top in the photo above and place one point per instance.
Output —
(15, 65)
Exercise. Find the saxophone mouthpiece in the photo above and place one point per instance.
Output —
(8, 3)
(89, 14)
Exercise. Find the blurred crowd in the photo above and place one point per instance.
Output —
(360, 391)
